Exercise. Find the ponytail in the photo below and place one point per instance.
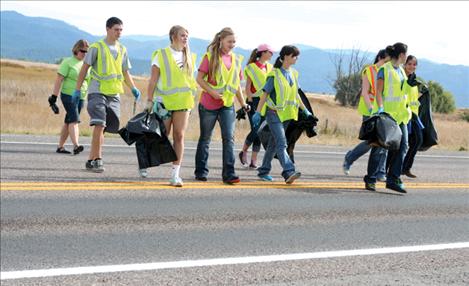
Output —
(395, 50)
(215, 49)
(254, 56)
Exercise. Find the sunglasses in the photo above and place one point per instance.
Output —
(84, 51)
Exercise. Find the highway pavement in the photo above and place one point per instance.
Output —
(62, 225)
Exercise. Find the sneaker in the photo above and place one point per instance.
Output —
(370, 186)
(232, 181)
(409, 174)
(176, 182)
(202, 179)
(381, 179)
(266, 178)
(253, 166)
(397, 186)
(96, 165)
(293, 177)
(78, 149)
(143, 172)
(346, 168)
(241, 158)
(62, 150)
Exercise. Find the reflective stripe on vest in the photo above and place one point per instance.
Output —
(177, 88)
(394, 94)
(371, 73)
(257, 76)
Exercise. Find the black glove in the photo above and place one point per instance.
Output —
(52, 100)
(423, 88)
(241, 114)
(412, 80)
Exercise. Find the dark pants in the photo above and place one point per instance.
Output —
(415, 141)
(396, 157)
(252, 137)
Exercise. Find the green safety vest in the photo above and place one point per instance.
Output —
(177, 87)
(395, 94)
(371, 73)
(228, 81)
(286, 96)
(109, 70)
(413, 99)
(257, 76)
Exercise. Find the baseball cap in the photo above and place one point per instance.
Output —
(265, 47)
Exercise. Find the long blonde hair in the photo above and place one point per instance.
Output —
(186, 51)
(214, 47)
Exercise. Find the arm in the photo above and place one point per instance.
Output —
(129, 81)
(262, 100)
(240, 97)
(82, 76)
(58, 84)
(204, 85)
(379, 92)
(365, 92)
(248, 89)
(155, 75)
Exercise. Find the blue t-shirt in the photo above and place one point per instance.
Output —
(398, 70)
(269, 84)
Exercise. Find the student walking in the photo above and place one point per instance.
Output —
(280, 94)
(110, 66)
(65, 83)
(366, 107)
(219, 76)
(171, 91)
(256, 73)
(415, 125)
(392, 99)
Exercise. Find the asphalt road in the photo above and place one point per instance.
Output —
(56, 215)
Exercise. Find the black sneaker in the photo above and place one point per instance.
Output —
(89, 165)
(78, 149)
(397, 186)
(292, 178)
(370, 186)
(202, 179)
(95, 165)
(62, 151)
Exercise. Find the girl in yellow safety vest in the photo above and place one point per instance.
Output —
(415, 125)
(256, 73)
(280, 93)
(392, 99)
(219, 76)
(171, 91)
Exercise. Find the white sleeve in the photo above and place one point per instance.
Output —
(155, 62)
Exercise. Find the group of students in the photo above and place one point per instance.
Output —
(272, 95)
(390, 85)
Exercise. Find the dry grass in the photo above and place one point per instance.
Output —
(25, 87)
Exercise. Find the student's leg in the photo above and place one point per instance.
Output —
(180, 121)
(227, 125)
(63, 136)
(207, 119)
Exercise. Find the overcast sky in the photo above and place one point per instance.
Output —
(433, 30)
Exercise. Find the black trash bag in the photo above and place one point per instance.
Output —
(430, 136)
(240, 114)
(264, 134)
(141, 124)
(381, 130)
(153, 150)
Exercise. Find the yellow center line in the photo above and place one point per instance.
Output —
(137, 185)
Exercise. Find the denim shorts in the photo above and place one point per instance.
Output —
(105, 111)
(72, 111)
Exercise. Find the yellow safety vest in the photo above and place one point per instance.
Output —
(286, 100)
(371, 73)
(414, 99)
(109, 70)
(228, 81)
(177, 88)
(257, 76)
(395, 94)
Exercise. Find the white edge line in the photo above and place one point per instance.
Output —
(219, 149)
(8, 275)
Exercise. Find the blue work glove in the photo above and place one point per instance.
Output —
(307, 113)
(256, 120)
(76, 97)
(370, 111)
(136, 93)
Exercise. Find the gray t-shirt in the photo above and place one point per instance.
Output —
(91, 59)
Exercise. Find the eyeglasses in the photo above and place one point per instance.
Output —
(84, 51)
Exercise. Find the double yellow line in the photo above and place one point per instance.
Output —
(148, 185)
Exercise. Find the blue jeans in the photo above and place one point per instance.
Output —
(72, 110)
(361, 149)
(226, 118)
(415, 140)
(376, 162)
(252, 137)
(396, 158)
(277, 145)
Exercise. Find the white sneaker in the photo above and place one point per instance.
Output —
(143, 173)
(176, 182)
